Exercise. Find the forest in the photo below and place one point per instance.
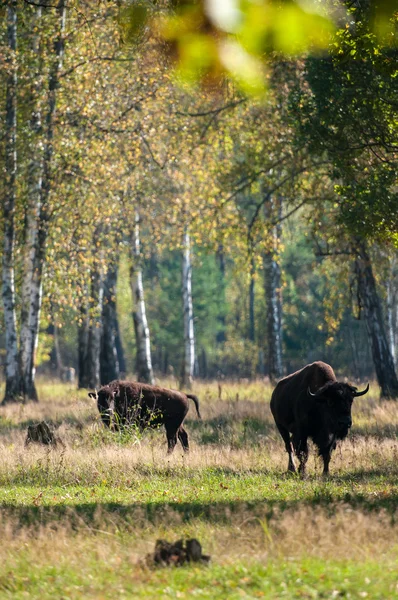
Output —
(200, 194)
(158, 224)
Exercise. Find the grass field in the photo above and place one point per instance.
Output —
(77, 521)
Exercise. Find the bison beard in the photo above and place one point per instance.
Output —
(311, 403)
(122, 403)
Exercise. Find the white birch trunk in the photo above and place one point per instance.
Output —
(38, 218)
(142, 336)
(30, 295)
(95, 329)
(189, 334)
(272, 280)
(12, 391)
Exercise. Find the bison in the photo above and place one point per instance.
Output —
(122, 403)
(311, 403)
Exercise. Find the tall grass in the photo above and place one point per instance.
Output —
(83, 515)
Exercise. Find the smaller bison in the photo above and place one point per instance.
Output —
(311, 403)
(122, 403)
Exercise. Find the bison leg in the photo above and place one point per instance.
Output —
(326, 456)
(301, 447)
(326, 453)
(183, 437)
(171, 433)
(326, 460)
(286, 438)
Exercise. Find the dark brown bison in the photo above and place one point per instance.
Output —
(122, 403)
(311, 403)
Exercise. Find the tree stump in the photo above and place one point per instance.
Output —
(167, 553)
(40, 433)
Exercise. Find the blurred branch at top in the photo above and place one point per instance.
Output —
(208, 39)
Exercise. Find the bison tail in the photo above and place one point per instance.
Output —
(196, 401)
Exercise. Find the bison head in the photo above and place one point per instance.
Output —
(336, 399)
(106, 404)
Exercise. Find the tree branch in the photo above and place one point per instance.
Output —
(92, 60)
(157, 163)
(214, 111)
(40, 4)
(250, 180)
(276, 188)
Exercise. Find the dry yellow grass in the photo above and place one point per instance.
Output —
(240, 428)
(241, 443)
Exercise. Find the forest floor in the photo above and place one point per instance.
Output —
(78, 521)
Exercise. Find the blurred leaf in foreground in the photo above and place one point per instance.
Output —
(208, 39)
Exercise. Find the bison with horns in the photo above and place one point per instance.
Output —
(311, 403)
(122, 403)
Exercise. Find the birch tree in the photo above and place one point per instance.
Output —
(90, 329)
(95, 329)
(37, 209)
(12, 391)
(189, 335)
(142, 337)
(272, 288)
(29, 297)
(41, 208)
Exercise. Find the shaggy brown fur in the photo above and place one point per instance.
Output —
(312, 403)
(123, 403)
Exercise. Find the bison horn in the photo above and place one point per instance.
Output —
(310, 393)
(356, 394)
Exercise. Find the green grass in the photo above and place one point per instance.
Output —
(308, 578)
(208, 487)
(76, 522)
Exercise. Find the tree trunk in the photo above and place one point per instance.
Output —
(82, 342)
(189, 336)
(29, 296)
(93, 376)
(109, 364)
(371, 305)
(251, 302)
(12, 391)
(392, 309)
(38, 219)
(55, 354)
(142, 337)
(273, 295)
(120, 351)
(221, 333)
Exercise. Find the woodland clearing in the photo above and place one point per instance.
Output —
(77, 521)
